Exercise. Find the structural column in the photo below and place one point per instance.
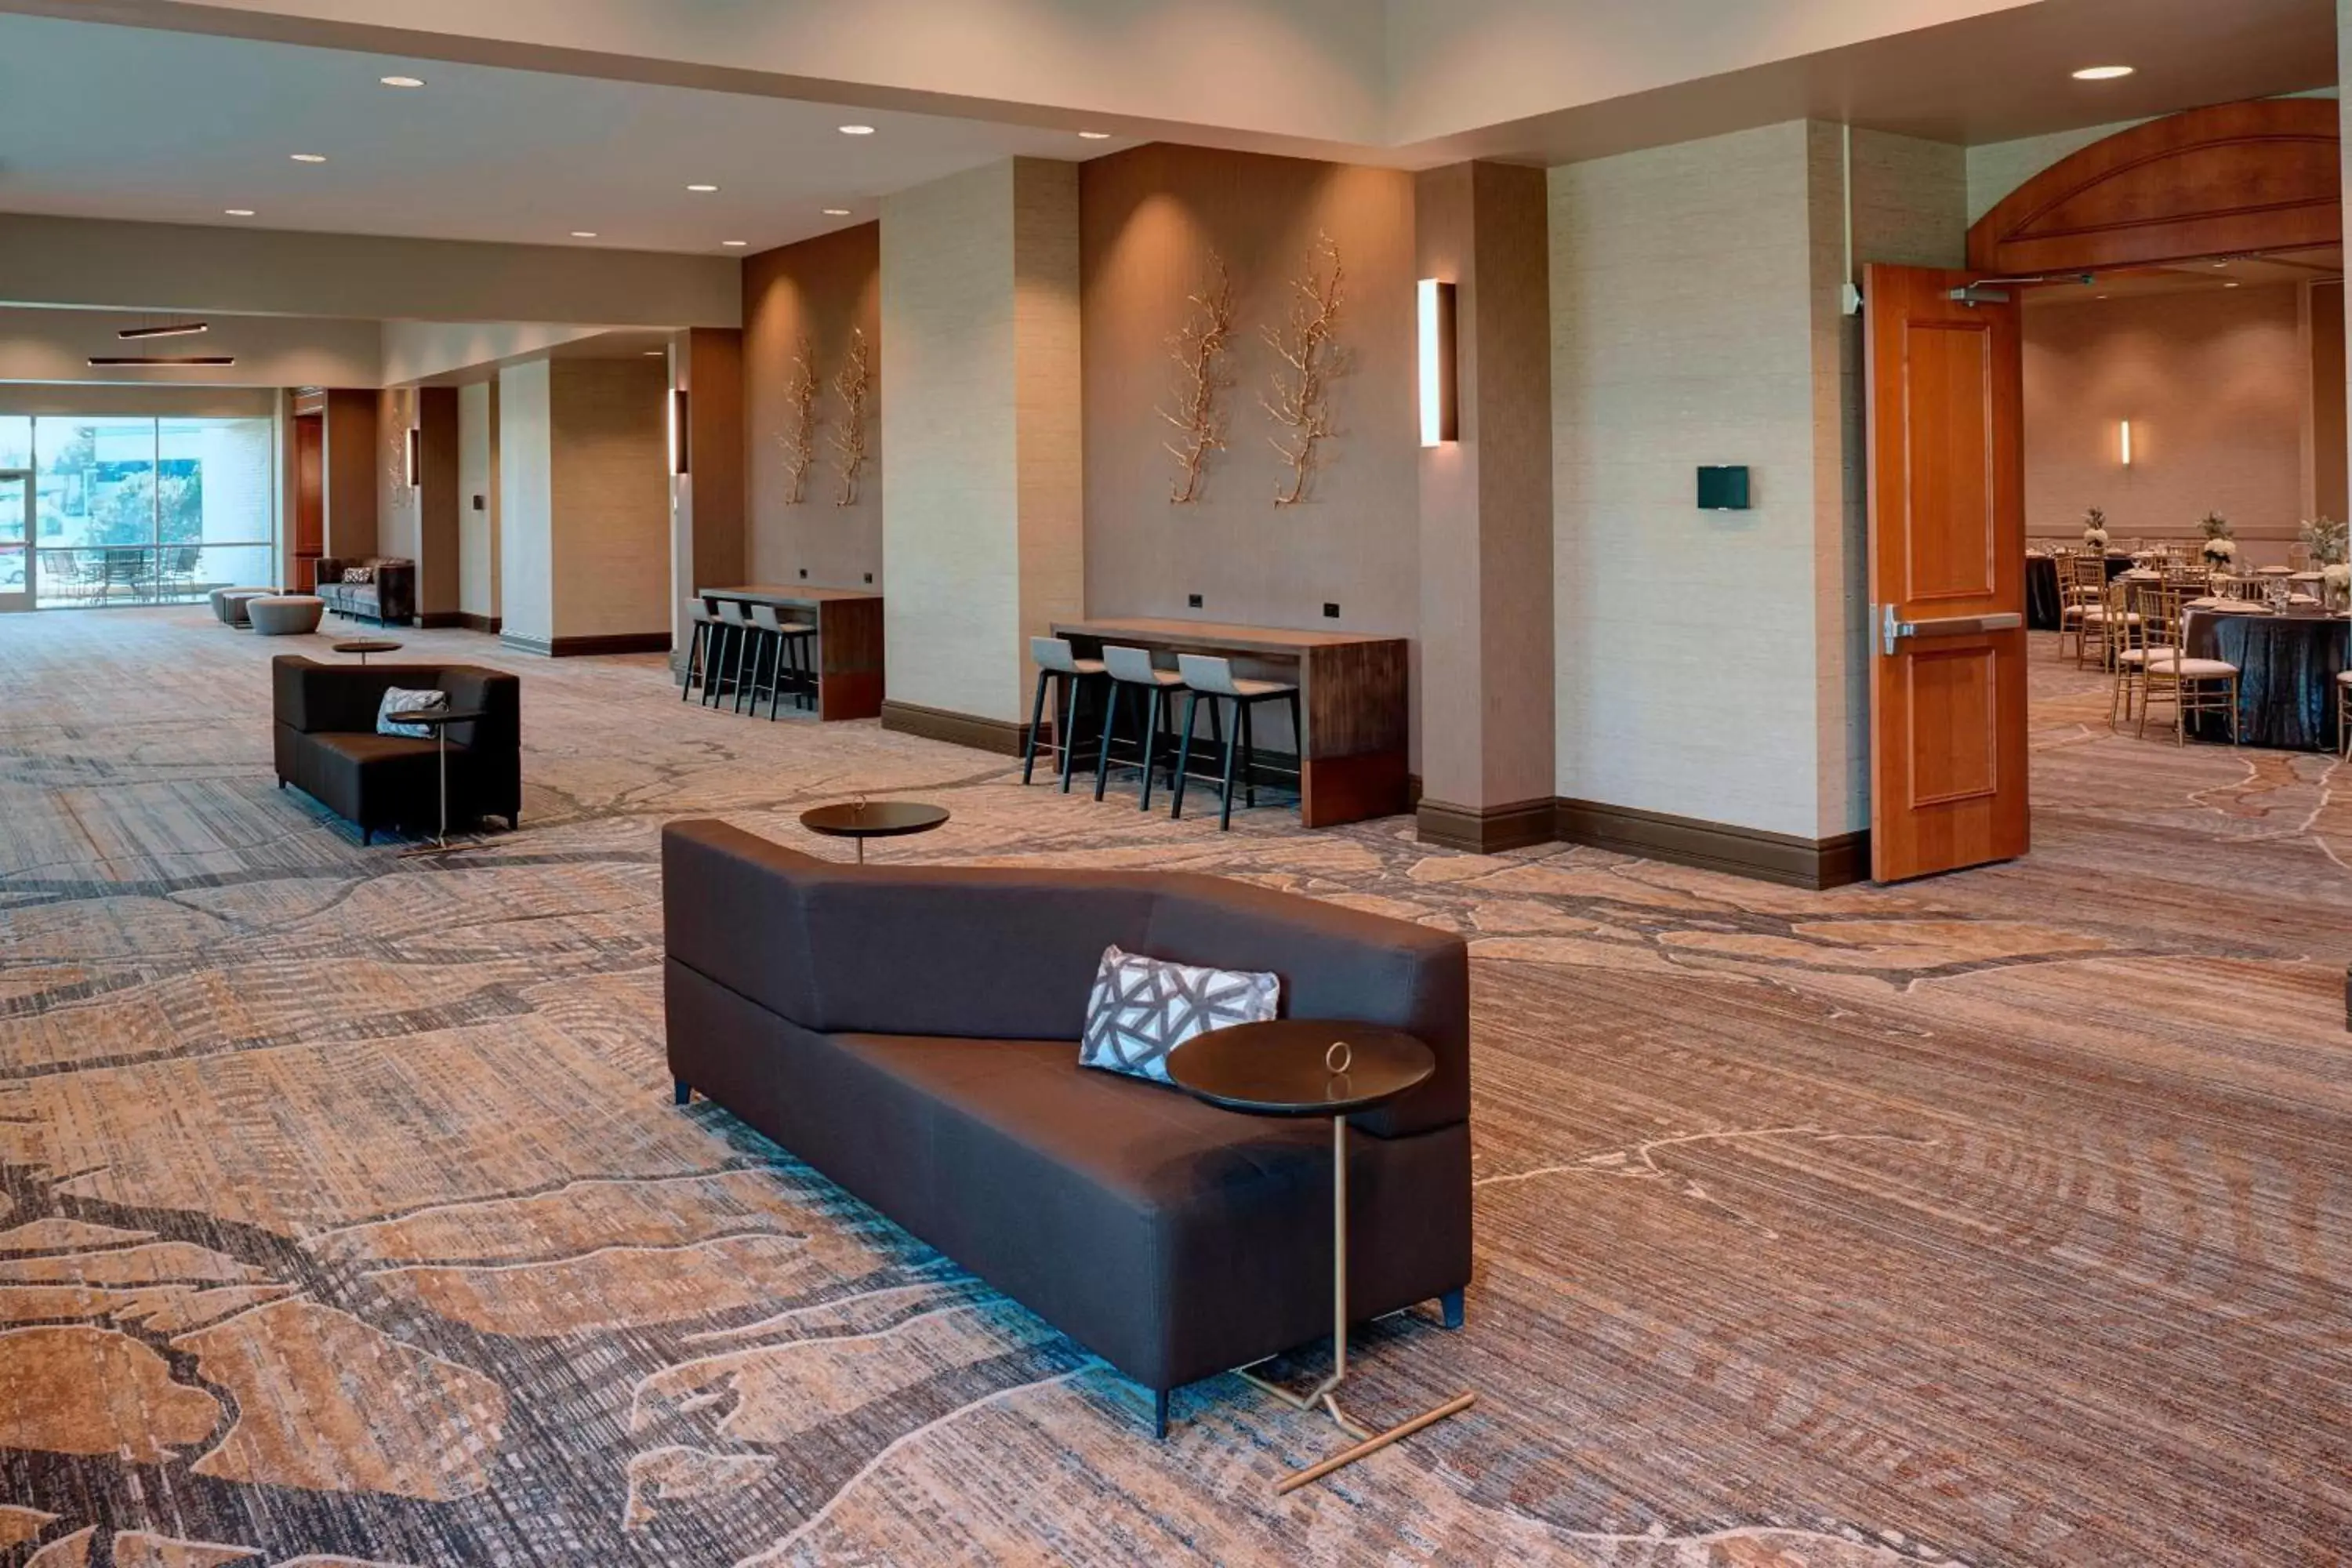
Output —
(707, 502)
(983, 507)
(1486, 517)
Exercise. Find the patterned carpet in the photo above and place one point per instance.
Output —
(344, 1218)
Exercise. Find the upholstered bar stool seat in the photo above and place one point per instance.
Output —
(703, 637)
(786, 644)
(1212, 677)
(1057, 661)
(731, 642)
(284, 615)
(1132, 674)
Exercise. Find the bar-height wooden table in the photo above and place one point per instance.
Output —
(849, 641)
(1353, 761)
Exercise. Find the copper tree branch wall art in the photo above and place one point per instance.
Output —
(856, 385)
(1199, 349)
(798, 437)
(1300, 402)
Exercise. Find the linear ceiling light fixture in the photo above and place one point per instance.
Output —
(836, 212)
(237, 211)
(2103, 73)
(401, 80)
(161, 363)
(1094, 135)
(704, 190)
(181, 330)
(858, 130)
(1441, 419)
(307, 157)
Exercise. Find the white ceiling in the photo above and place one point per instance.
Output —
(129, 122)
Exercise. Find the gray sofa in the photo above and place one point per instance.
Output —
(912, 1033)
(388, 597)
(327, 746)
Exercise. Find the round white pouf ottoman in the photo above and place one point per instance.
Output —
(228, 603)
(284, 615)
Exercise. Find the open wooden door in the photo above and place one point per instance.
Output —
(1946, 390)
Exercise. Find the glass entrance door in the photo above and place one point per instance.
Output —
(17, 586)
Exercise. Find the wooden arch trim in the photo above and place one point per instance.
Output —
(2223, 181)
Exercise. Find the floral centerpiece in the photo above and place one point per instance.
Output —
(2220, 549)
(2326, 540)
(2094, 529)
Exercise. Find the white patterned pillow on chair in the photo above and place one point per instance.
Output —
(1142, 1008)
(399, 700)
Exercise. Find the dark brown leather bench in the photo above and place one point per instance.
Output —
(912, 1033)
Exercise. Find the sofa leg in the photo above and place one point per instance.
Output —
(1451, 1305)
(681, 1091)
(1160, 1414)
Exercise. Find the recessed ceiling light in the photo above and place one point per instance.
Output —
(836, 212)
(656, 353)
(2102, 73)
(401, 80)
(1094, 135)
(2231, 284)
(734, 244)
(237, 211)
(583, 234)
(858, 130)
(703, 190)
(307, 157)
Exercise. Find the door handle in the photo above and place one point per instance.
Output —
(1892, 628)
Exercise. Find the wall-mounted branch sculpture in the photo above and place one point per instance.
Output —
(856, 385)
(1311, 357)
(1199, 349)
(798, 437)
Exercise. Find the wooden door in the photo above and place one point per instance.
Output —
(1946, 389)
(310, 499)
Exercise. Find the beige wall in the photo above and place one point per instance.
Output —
(527, 504)
(1149, 219)
(478, 477)
(983, 540)
(1484, 571)
(2327, 451)
(1711, 665)
(2215, 382)
(820, 288)
(81, 262)
(269, 351)
(611, 498)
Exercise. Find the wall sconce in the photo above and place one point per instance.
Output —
(680, 444)
(412, 459)
(1441, 419)
(2126, 443)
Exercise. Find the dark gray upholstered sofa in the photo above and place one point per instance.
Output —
(912, 1033)
(327, 746)
(388, 597)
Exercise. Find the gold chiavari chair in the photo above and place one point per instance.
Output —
(2192, 685)
(2082, 597)
(2128, 648)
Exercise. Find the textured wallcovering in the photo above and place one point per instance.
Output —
(610, 489)
(980, 454)
(527, 502)
(822, 288)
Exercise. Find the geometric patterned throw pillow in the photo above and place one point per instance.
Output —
(1142, 1008)
(396, 701)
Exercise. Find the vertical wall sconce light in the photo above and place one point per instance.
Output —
(412, 459)
(1441, 419)
(679, 452)
(2126, 443)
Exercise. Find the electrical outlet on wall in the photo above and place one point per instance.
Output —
(804, 574)
(1192, 601)
(1330, 612)
(869, 579)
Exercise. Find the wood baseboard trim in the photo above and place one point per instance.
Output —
(466, 620)
(1486, 830)
(997, 735)
(587, 648)
(1782, 857)
(428, 620)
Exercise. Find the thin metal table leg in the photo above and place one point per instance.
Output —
(1324, 1395)
(442, 837)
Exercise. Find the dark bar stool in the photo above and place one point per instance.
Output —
(698, 651)
(1213, 679)
(1132, 672)
(1057, 660)
(734, 636)
(787, 643)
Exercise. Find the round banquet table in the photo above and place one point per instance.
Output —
(2042, 597)
(2287, 667)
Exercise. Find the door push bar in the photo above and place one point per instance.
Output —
(1892, 629)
